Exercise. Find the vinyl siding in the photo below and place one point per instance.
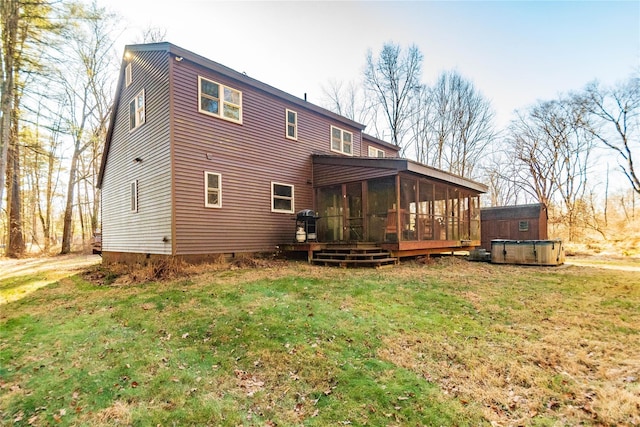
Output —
(142, 231)
(369, 141)
(249, 156)
(335, 174)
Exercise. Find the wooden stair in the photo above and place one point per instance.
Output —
(354, 256)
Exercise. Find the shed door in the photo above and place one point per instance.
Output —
(503, 230)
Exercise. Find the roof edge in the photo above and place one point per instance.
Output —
(367, 137)
(401, 165)
(241, 77)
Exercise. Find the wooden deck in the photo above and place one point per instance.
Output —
(375, 254)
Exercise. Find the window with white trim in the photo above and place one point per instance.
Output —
(282, 198)
(136, 111)
(219, 100)
(128, 77)
(292, 124)
(341, 141)
(376, 152)
(212, 190)
(133, 195)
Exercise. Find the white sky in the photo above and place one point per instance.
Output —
(514, 52)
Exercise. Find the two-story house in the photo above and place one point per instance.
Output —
(201, 160)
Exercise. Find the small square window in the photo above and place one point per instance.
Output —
(292, 124)
(212, 190)
(523, 226)
(282, 198)
(133, 192)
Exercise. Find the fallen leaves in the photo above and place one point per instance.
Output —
(248, 382)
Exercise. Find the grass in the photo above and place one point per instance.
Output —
(448, 343)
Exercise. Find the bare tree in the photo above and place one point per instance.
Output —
(551, 156)
(453, 125)
(421, 131)
(391, 80)
(348, 100)
(154, 35)
(501, 178)
(617, 125)
(83, 76)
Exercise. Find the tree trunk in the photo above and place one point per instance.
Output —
(9, 11)
(47, 222)
(16, 246)
(68, 212)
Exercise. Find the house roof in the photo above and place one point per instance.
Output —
(400, 165)
(381, 142)
(187, 55)
(513, 212)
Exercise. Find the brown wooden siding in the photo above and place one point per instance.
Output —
(142, 231)
(249, 156)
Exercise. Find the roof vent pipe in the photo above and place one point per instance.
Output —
(305, 96)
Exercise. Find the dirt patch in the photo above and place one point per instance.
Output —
(62, 263)
(44, 271)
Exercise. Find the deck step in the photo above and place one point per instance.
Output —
(354, 256)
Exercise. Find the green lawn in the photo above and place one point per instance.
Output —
(446, 343)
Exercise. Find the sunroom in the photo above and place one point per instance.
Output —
(402, 206)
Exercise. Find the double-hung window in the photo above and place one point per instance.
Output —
(219, 100)
(281, 198)
(376, 152)
(341, 141)
(136, 111)
(212, 190)
(292, 124)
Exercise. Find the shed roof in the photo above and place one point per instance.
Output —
(513, 212)
(400, 165)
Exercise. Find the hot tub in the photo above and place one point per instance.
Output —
(527, 252)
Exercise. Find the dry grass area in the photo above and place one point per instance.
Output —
(571, 355)
(269, 342)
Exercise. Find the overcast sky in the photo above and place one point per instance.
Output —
(514, 52)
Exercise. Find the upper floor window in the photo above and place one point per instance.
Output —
(281, 198)
(376, 152)
(292, 124)
(133, 191)
(128, 78)
(212, 190)
(219, 100)
(341, 141)
(136, 111)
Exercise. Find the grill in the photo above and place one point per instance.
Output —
(306, 221)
